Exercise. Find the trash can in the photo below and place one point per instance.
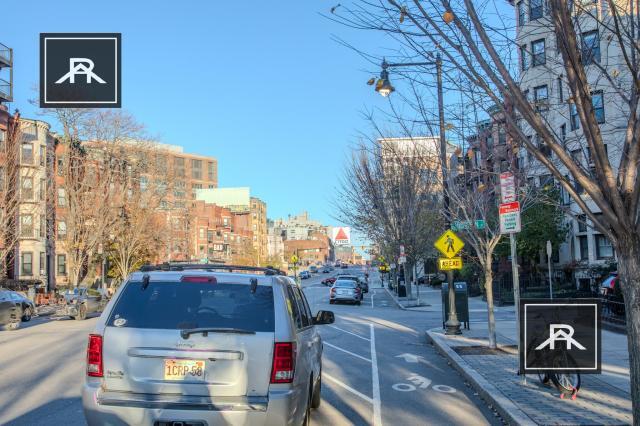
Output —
(402, 291)
(462, 302)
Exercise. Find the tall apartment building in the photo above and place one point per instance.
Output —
(299, 227)
(541, 79)
(259, 228)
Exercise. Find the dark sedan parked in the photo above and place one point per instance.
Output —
(9, 312)
(27, 307)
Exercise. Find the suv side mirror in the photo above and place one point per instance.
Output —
(324, 317)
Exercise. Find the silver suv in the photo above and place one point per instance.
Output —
(205, 345)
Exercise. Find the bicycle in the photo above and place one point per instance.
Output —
(567, 383)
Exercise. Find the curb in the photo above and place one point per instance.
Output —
(507, 408)
(393, 297)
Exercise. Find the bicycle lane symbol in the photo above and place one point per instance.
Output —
(419, 382)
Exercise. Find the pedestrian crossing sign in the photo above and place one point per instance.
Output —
(449, 244)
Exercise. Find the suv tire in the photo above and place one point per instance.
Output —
(27, 314)
(317, 393)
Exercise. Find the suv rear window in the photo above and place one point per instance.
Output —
(179, 305)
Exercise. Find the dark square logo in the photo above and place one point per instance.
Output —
(80, 70)
(560, 335)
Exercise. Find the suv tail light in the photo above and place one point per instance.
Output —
(284, 362)
(94, 356)
(198, 279)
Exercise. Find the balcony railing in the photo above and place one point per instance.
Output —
(5, 55)
(6, 91)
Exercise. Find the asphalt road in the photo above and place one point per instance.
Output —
(377, 369)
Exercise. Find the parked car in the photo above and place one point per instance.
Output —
(81, 301)
(305, 275)
(360, 282)
(325, 269)
(10, 313)
(201, 347)
(345, 291)
(329, 281)
(313, 269)
(27, 307)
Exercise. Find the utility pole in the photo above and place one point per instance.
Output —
(549, 250)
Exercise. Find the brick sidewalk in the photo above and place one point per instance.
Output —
(598, 402)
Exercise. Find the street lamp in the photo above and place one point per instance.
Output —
(384, 87)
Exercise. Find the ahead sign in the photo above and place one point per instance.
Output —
(507, 187)
(510, 218)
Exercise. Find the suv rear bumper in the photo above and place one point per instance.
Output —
(105, 407)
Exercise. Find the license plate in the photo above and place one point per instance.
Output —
(342, 292)
(183, 369)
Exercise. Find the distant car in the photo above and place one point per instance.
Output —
(10, 313)
(313, 269)
(360, 282)
(305, 275)
(345, 291)
(329, 281)
(344, 266)
(27, 307)
(326, 270)
(81, 301)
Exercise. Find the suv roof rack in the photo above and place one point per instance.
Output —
(208, 267)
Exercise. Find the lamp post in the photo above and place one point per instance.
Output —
(385, 88)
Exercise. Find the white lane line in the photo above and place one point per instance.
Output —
(348, 332)
(347, 387)
(347, 352)
(372, 299)
(377, 417)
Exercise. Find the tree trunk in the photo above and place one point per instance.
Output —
(488, 286)
(628, 251)
(407, 279)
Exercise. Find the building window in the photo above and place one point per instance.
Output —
(541, 98)
(26, 226)
(194, 189)
(62, 197)
(563, 133)
(196, 169)
(574, 120)
(43, 155)
(2, 139)
(2, 179)
(27, 188)
(538, 56)
(27, 153)
(26, 260)
(43, 189)
(523, 57)
(583, 245)
(178, 164)
(604, 249)
(62, 229)
(590, 47)
(582, 223)
(535, 9)
(60, 166)
(597, 100)
(43, 226)
(62, 264)
(560, 91)
(211, 170)
(522, 15)
(43, 263)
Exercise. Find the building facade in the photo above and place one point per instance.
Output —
(542, 80)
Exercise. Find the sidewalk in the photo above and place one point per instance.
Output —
(603, 399)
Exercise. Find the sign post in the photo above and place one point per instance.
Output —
(510, 224)
(549, 250)
(449, 245)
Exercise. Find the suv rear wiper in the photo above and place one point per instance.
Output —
(206, 330)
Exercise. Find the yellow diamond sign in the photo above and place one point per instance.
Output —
(294, 259)
(449, 244)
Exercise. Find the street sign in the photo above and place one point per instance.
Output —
(449, 244)
(401, 250)
(480, 224)
(507, 187)
(392, 266)
(402, 260)
(458, 225)
(294, 259)
(445, 264)
(510, 218)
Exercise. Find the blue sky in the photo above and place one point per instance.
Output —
(258, 85)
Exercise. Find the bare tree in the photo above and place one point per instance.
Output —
(9, 192)
(477, 42)
(390, 194)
